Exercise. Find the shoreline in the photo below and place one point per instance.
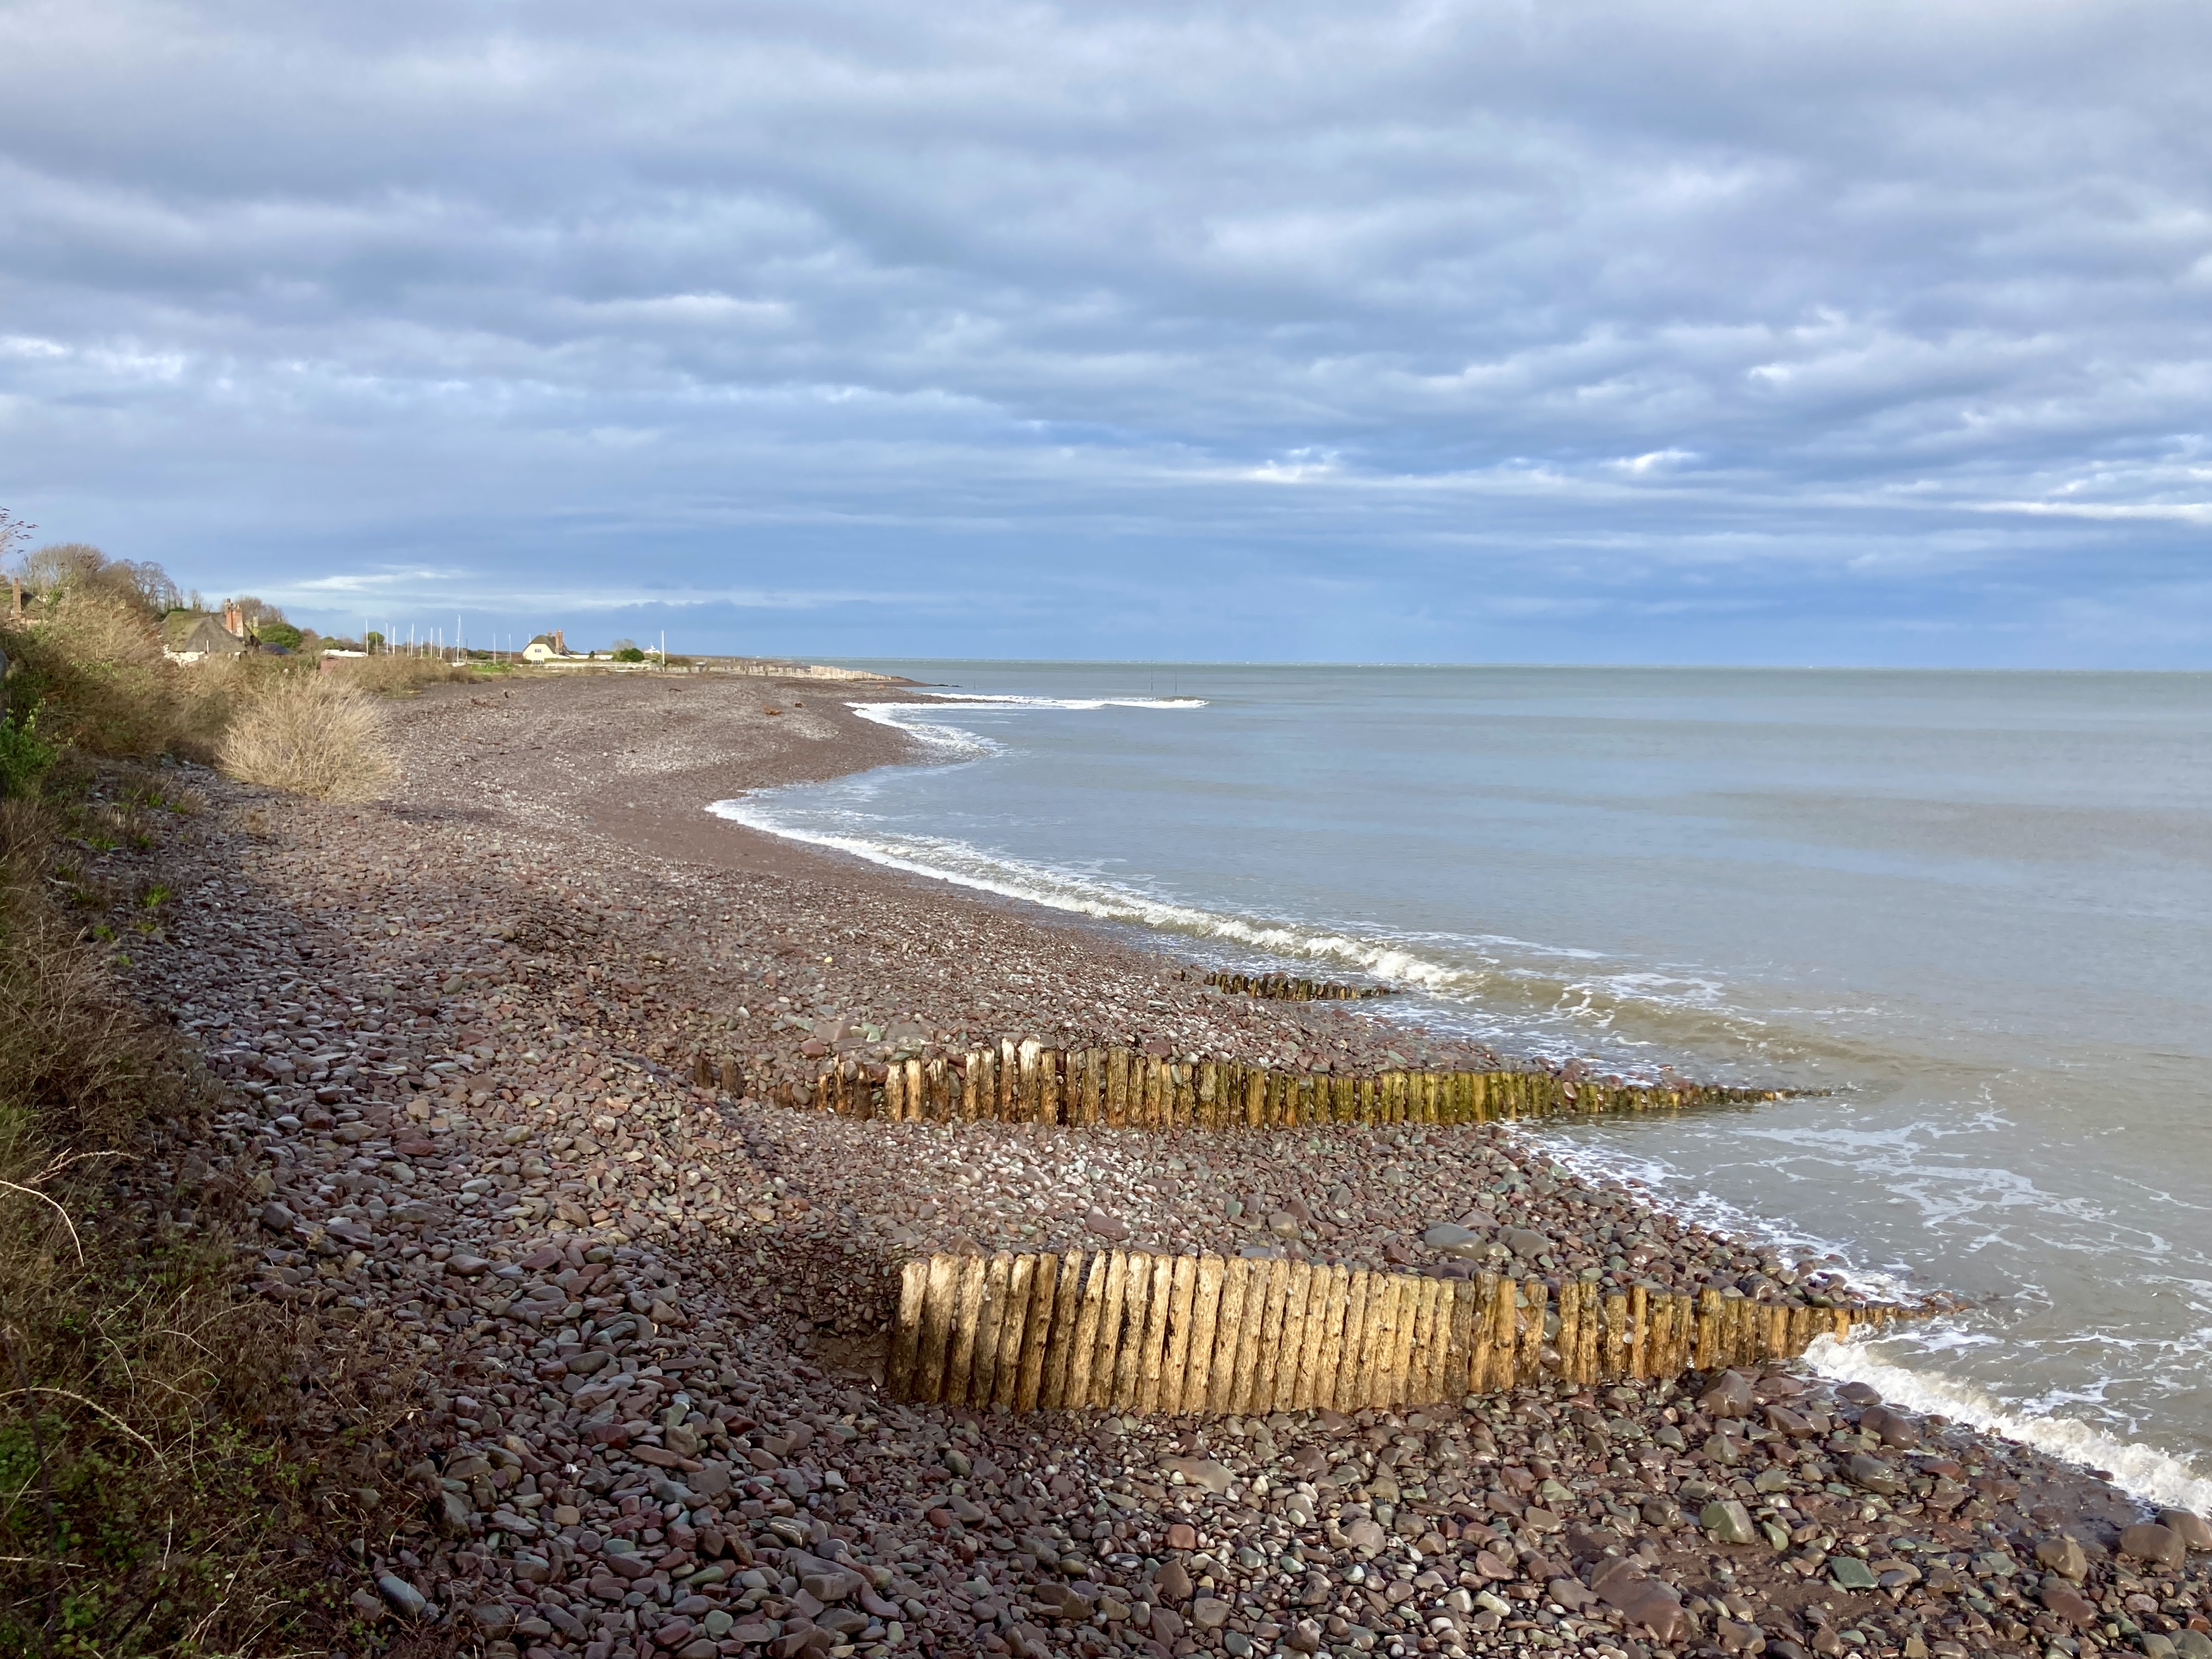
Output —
(509, 966)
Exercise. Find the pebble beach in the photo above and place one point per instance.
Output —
(613, 1343)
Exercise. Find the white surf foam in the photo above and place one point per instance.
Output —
(964, 864)
(952, 739)
(1666, 1188)
(2154, 1476)
(1000, 699)
(912, 718)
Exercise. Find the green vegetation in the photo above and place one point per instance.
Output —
(25, 757)
(629, 653)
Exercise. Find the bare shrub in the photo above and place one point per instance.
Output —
(399, 675)
(313, 734)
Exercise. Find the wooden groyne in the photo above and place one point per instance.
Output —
(1122, 1088)
(1282, 988)
(1131, 1331)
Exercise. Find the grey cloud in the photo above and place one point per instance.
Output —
(1899, 294)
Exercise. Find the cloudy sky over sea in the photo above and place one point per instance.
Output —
(1700, 330)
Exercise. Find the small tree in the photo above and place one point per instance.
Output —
(14, 532)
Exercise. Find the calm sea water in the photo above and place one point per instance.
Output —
(1977, 906)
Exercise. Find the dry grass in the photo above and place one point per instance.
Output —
(399, 676)
(311, 734)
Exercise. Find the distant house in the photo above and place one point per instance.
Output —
(545, 648)
(208, 638)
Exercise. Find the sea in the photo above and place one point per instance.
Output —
(1972, 910)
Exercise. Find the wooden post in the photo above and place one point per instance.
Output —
(1136, 1303)
(1152, 1356)
(1077, 1393)
(1014, 1328)
(1050, 1092)
(906, 1334)
(1707, 1356)
(960, 1362)
(1638, 1362)
(1111, 1306)
(1289, 1360)
(1390, 1349)
(939, 1309)
(983, 1372)
(1068, 1302)
(1375, 1338)
(1257, 1391)
(895, 1092)
(1327, 1303)
(734, 1079)
(1205, 1333)
(1569, 1307)
(1342, 1381)
(1229, 1333)
(1424, 1371)
(1591, 1360)
(1418, 1300)
(1037, 1331)
(1529, 1362)
(1496, 1333)
(978, 1086)
(1256, 1098)
(1117, 1088)
(1464, 1360)
(1176, 1363)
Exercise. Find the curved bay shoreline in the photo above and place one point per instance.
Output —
(638, 1319)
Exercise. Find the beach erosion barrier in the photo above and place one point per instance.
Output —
(1122, 1088)
(1130, 1331)
(1282, 988)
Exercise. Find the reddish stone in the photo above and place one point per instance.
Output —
(2068, 1603)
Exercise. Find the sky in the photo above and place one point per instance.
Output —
(1599, 331)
